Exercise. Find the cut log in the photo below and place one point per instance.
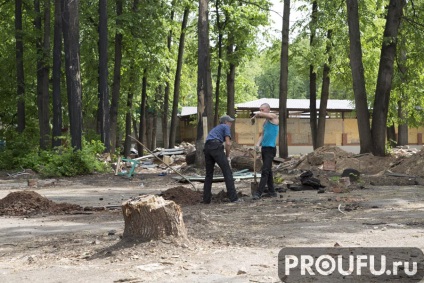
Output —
(151, 217)
(191, 157)
(245, 162)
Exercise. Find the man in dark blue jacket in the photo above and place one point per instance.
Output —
(214, 153)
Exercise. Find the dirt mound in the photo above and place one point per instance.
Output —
(31, 203)
(317, 157)
(412, 165)
(364, 163)
(182, 196)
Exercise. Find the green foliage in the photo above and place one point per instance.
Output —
(62, 161)
(388, 147)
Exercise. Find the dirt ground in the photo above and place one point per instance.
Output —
(70, 229)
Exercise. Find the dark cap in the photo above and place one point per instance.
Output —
(225, 118)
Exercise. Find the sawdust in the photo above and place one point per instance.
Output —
(27, 203)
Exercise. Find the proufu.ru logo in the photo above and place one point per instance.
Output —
(350, 264)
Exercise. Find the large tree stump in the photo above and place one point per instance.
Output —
(151, 217)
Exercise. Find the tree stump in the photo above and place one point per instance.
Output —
(245, 162)
(151, 217)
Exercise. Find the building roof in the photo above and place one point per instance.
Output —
(297, 104)
(333, 105)
(188, 110)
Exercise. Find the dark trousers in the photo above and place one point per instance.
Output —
(268, 154)
(214, 153)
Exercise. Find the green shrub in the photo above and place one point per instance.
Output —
(62, 161)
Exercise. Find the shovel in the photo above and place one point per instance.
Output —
(254, 184)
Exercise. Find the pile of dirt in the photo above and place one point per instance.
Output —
(27, 203)
(412, 165)
(364, 163)
(182, 196)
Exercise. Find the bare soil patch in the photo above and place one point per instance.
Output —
(227, 242)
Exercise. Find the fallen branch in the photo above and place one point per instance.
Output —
(18, 173)
(167, 166)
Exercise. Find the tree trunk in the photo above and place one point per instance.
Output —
(284, 73)
(362, 113)
(103, 76)
(219, 69)
(45, 77)
(73, 73)
(155, 117)
(116, 86)
(43, 49)
(204, 80)
(385, 74)
(20, 79)
(391, 136)
(231, 77)
(325, 93)
(152, 218)
(128, 117)
(402, 138)
(149, 126)
(57, 62)
(174, 118)
(165, 109)
(313, 78)
(142, 128)
(403, 126)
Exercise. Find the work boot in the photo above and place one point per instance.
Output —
(256, 196)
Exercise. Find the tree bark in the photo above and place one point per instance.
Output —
(116, 85)
(403, 126)
(152, 218)
(73, 73)
(142, 127)
(362, 113)
(57, 65)
(313, 78)
(177, 82)
(219, 68)
(103, 76)
(231, 77)
(391, 136)
(43, 49)
(284, 73)
(402, 138)
(165, 109)
(204, 80)
(20, 79)
(325, 93)
(128, 116)
(385, 74)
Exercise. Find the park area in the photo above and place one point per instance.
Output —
(71, 229)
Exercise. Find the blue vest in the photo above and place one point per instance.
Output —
(270, 133)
